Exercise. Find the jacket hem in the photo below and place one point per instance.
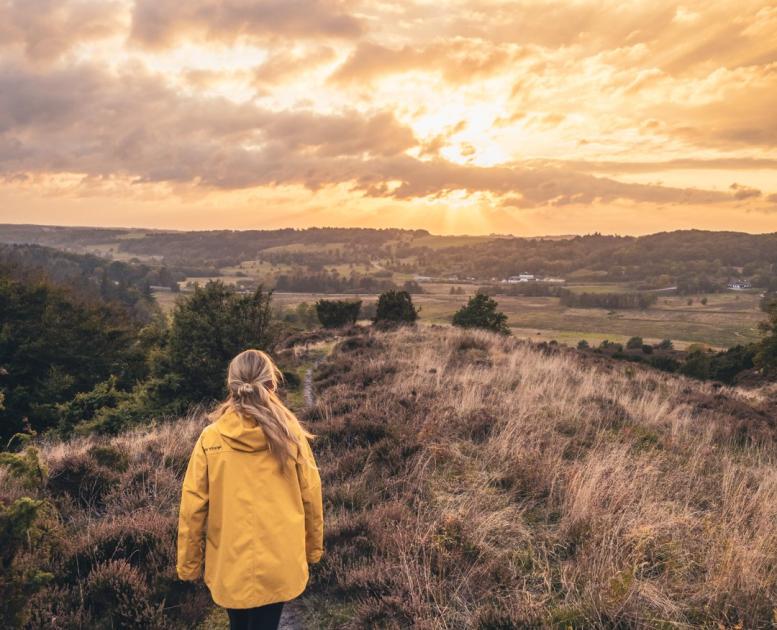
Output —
(273, 598)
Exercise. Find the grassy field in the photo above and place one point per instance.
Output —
(726, 320)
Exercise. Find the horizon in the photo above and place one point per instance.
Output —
(389, 227)
(472, 117)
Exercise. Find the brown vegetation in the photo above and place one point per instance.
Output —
(105, 536)
(471, 481)
(474, 481)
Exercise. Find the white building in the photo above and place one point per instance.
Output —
(523, 277)
(739, 285)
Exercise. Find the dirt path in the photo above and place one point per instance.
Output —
(308, 395)
(292, 618)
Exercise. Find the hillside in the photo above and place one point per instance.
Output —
(697, 259)
(479, 482)
(470, 481)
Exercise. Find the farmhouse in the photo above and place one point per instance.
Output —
(739, 285)
(524, 277)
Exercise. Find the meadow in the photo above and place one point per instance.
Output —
(727, 319)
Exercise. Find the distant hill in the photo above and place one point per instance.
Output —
(125, 284)
(699, 260)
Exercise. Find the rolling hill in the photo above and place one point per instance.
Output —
(471, 481)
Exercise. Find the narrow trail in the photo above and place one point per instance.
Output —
(292, 618)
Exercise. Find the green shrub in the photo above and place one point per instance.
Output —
(480, 312)
(337, 313)
(26, 466)
(396, 307)
(634, 343)
(86, 405)
(18, 583)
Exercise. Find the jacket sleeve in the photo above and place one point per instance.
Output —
(193, 515)
(310, 487)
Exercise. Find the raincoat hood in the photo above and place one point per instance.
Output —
(242, 434)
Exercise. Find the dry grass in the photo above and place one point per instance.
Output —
(108, 533)
(474, 481)
(471, 481)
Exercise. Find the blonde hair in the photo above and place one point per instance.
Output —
(252, 382)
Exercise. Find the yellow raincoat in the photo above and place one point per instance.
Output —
(260, 526)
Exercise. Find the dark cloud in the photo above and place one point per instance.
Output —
(84, 119)
(161, 23)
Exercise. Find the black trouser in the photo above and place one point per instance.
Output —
(261, 618)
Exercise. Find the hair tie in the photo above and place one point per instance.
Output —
(245, 389)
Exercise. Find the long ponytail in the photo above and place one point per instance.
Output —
(252, 382)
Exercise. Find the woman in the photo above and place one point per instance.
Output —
(252, 494)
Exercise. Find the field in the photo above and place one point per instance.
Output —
(726, 320)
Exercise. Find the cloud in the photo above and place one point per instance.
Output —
(457, 60)
(542, 104)
(46, 29)
(287, 63)
(714, 164)
(162, 23)
(744, 192)
(86, 120)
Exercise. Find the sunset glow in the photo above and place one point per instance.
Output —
(462, 116)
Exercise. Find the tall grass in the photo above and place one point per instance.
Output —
(471, 481)
(476, 481)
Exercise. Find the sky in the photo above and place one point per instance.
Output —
(527, 118)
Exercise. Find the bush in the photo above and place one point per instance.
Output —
(611, 346)
(396, 306)
(86, 405)
(634, 343)
(337, 313)
(665, 344)
(480, 312)
(117, 594)
(583, 345)
(647, 349)
(17, 583)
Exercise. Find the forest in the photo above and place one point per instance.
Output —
(691, 260)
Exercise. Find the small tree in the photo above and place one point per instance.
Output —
(480, 312)
(396, 306)
(635, 343)
(665, 344)
(208, 329)
(412, 286)
(336, 313)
